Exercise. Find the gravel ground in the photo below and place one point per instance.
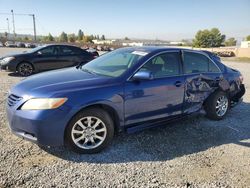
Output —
(195, 152)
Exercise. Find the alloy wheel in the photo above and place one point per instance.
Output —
(221, 106)
(25, 69)
(89, 132)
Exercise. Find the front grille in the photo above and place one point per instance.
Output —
(13, 99)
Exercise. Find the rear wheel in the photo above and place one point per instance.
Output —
(25, 69)
(217, 105)
(90, 131)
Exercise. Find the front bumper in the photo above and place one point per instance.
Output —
(7, 66)
(44, 127)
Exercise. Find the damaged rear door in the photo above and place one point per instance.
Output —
(202, 77)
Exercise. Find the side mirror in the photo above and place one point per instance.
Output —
(142, 75)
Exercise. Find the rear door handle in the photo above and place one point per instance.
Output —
(177, 83)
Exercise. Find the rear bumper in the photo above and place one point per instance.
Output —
(239, 94)
(237, 98)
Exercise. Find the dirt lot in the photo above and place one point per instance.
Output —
(195, 152)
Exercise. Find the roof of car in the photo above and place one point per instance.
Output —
(150, 49)
(59, 45)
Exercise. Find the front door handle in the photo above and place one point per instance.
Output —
(177, 83)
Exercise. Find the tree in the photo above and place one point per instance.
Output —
(80, 35)
(87, 39)
(63, 37)
(230, 42)
(72, 37)
(103, 37)
(50, 38)
(126, 38)
(248, 38)
(91, 37)
(6, 34)
(208, 38)
(26, 38)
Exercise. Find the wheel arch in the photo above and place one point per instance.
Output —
(25, 61)
(219, 89)
(108, 108)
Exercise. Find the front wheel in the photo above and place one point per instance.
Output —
(217, 105)
(90, 131)
(25, 69)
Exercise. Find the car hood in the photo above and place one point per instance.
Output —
(53, 83)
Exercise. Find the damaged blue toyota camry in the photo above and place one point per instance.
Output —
(129, 89)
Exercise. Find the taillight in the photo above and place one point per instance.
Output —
(241, 79)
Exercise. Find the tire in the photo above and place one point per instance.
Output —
(217, 105)
(25, 69)
(81, 135)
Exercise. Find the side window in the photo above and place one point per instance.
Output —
(47, 51)
(79, 51)
(212, 67)
(65, 50)
(167, 64)
(195, 63)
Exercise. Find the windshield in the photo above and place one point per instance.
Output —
(115, 63)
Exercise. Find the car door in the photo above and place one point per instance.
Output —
(202, 77)
(46, 58)
(160, 97)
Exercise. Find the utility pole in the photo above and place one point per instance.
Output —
(8, 25)
(34, 25)
(13, 21)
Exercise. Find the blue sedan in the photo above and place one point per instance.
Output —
(128, 89)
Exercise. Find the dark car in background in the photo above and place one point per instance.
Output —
(20, 45)
(46, 57)
(129, 89)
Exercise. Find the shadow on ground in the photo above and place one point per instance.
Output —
(177, 139)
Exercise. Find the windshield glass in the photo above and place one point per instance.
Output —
(115, 63)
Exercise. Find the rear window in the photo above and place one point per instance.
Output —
(69, 50)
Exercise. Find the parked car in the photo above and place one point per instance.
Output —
(93, 51)
(10, 44)
(129, 89)
(46, 57)
(20, 45)
(29, 45)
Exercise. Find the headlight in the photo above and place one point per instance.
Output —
(43, 103)
(7, 60)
